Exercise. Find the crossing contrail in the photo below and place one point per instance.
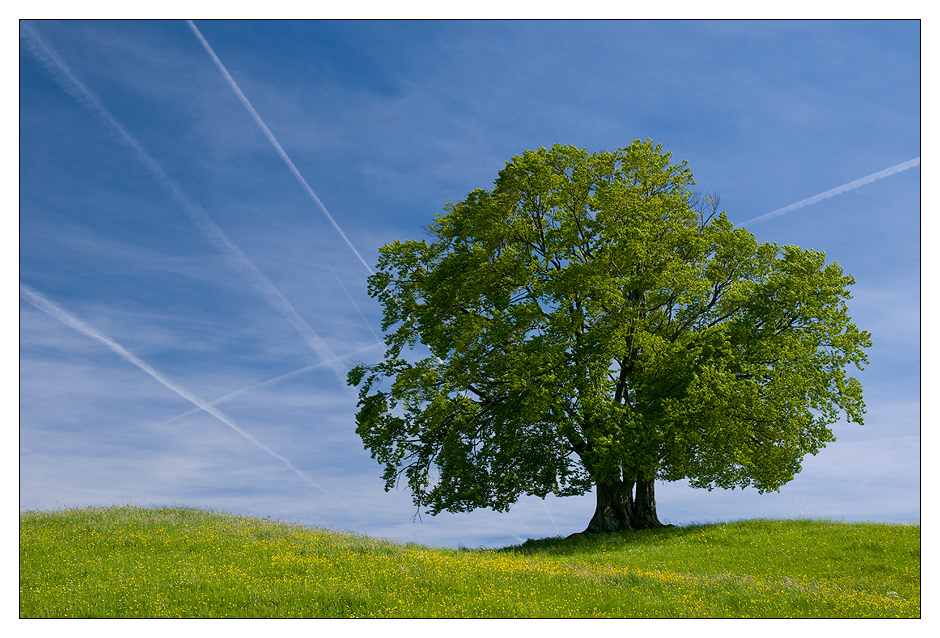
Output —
(231, 395)
(228, 396)
(57, 312)
(355, 305)
(837, 191)
(277, 147)
(74, 87)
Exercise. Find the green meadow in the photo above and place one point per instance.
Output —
(174, 562)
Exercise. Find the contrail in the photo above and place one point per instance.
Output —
(199, 216)
(273, 140)
(57, 312)
(550, 517)
(837, 191)
(230, 395)
(355, 305)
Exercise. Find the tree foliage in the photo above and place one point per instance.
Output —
(589, 321)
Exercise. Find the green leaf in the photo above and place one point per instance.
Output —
(585, 319)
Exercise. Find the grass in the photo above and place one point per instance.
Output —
(175, 562)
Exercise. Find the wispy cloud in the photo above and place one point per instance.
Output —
(57, 312)
(267, 132)
(836, 191)
(61, 72)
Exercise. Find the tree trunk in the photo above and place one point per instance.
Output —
(644, 506)
(619, 510)
(614, 508)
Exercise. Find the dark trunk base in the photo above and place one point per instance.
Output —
(619, 510)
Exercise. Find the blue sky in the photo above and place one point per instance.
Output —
(188, 307)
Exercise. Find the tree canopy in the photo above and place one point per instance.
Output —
(591, 322)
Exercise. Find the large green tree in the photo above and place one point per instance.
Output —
(588, 323)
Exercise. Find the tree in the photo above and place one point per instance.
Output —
(588, 322)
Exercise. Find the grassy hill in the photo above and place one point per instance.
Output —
(174, 562)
